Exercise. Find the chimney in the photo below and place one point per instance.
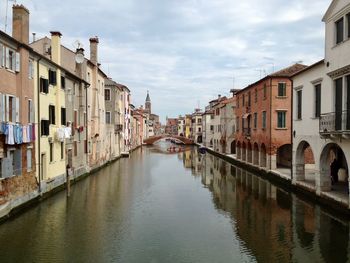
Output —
(93, 50)
(34, 34)
(219, 96)
(79, 59)
(56, 47)
(20, 23)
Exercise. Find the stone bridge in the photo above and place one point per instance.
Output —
(153, 139)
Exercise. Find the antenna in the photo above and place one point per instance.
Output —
(7, 7)
(77, 44)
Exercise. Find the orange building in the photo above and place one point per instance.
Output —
(263, 120)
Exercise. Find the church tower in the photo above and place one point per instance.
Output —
(148, 103)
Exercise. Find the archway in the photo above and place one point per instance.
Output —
(256, 154)
(199, 139)
(263, 162)
(239, 150)
(249, 153)
(211, 143)
(233, 147)
(331, 152)
(304, 169)
(244, 152)
(284, 156)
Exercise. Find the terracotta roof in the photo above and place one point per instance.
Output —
(309, 67)
(288, 71)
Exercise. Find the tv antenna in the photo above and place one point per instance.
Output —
(7, 7)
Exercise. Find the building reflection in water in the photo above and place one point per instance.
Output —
(275, 225)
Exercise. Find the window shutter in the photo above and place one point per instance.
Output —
(17, 109)
(18, 162)
(7, 110)
(31, 115)
(2, 108)
(7, 58)
(18, 62)
(29, 160)
(2, 55)
(13, 61)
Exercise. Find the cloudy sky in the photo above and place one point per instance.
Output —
(185, 52)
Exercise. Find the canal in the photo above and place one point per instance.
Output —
(158, 206)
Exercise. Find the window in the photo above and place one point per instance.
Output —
(52, 77)
(211, 127)
(237, 102)
(264, 119)
(88, 77)
(249, 99)
(63, 116)
(2, 55)
(282, 89)
(44, 85)
(299, 103)
(45, 130)
(348, 19)
(52, 116)
(30, 69)
(107, 94)
(243, 100)
(85, 146)
(29, 159)
(75, 145)
(108, 117)
(51, 152)
(199, 121)
(237, 124)
(339, 28)
(63, 82)
(62, 150)
(242, 124)
(199, 129)
(255, 120)
(256, 95)
(30, 111)
(264, 91)
(281, 119)
(317, 101)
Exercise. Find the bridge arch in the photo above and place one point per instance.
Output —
(153, 139)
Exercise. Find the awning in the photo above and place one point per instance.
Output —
(246, 115)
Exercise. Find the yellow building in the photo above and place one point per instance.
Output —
(50, 98)
(188, 120)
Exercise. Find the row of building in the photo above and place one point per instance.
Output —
(59, 113)
(294, 122)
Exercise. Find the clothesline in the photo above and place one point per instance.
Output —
(17, 133)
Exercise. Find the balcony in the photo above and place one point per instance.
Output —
(247, 132)
(118, 128)
(332, 124)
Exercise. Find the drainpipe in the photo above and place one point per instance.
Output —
(39, 123)
(87, 124)
(271, 120)
(291, 128)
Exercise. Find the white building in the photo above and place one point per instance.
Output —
(321, 102)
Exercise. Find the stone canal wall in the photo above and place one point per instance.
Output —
(331, 202)
(35, 194)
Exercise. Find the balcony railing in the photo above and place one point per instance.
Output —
(333, 122)
(247, 131)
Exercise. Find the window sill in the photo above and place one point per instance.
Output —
(281, 129)
(315, 118)
(281, 97)
(297, 119)
(340, 43)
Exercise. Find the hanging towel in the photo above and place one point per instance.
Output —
(10, 135)
(24, 134)
(33, 133)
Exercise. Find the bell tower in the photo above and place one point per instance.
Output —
(148, 103)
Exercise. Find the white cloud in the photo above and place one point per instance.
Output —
(186, 51)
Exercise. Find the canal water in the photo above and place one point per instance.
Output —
(158, 206)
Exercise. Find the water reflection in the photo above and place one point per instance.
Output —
(158, 206)
(274, 225)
